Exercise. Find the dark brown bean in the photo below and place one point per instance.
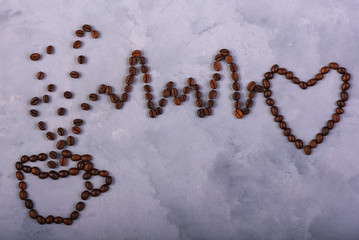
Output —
(81, 59)
(224, 52)
(85, 195)
(346, 77)
(61, 111)
(67, 94)
(58, 220)
(251, 86)
(51, 87)
(86, 28)
(307, 150)
(74, 215)
(76, 130)
(41, 125)
(282, 71)
(49, 219)
(325, 70)
(70, 140)
(50, 49)
(344, 95)
(51, 164)
(34, 113)
(29, 204)
(33, 214)
(78, 122)
(73, 171)
(40, 75)
(274, 68)
(299, 143)
(136, 53)
(74, 74)
(35, 56)
(333, 65)
(217, 66)
(53, 155)
(63, 162)
(85, 106)
(238, 113)
(341, 70)
(77, 44)
(108, 180)
(23, 195)
(79, 33)
(102, 89)
(19, 175)
(40, 219)
(61, 131)
(94, 34)
(80, 206)
(50, 135)
(60, 144)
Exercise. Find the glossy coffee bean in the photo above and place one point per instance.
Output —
(77, 44)
(299, 143)
(35, 56)
(41, 125)
(95, 34)
(50, 49)
(307, 150)
(74, 74)
(87, 28)
(67, 94)
(79, 33)
(85, 106)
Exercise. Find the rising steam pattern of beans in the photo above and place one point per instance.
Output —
(179, 96)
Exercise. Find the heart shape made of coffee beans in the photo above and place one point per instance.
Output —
(83, 164)
(304, 85)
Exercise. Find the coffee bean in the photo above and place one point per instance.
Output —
(333, 65)
(289, 75)
(40, 219)
(33, 158)
(75, 157)
(53, 175)
(60, 144)
(235, 96)
(299, 143)
(207, 111)
(341, 103)
(85, 106)
(50, 49)
(51, 87)
(146, 78)
(313, 143)
(144, 69)
(26, 169)
(29, 204)
(307, 150)
(346, 77)
(142, 60)
(19, 175)
(53, 155)
(119, 105)
(324, 70)
(213, 94)
(312, 82)
(40, 75)
(23, 195)
(238, 113)
(278, 118)
(24, 159)
(113, 98)
(51, 164)
(45, 98)
(74, 74)
(325, 131)
(259, 88)
(341, 70)
(166, 93)
(150, 105)
(73, 171)
(66, 153)
(274, 110)
(42, 157)
(344, 95)
(88, 185)
(129, 80)
(199, 103)
(339, 110)
(108, 90)
(78, 122)
(93, 97)
(76, 130)
(196, 87)
(67, 94)
(245, 111)
(162, 102)
(319, 76)
(41, 125)
(49, 219)
(336, 117)
(58, 220)
(251, 86)
(43, 175)
(132, 71)
(303, 85)
(85, 195)
(77, 44)
(94, 34)
(229, 59)
(86, 28)
(249, 103)
(50, 135)
(152, 113)
(18, 165)
(224, 52)
(61, 131)
(136, 53)
(108, 180)
(287, 131)
(233, 67)
(101, 89)
(95, 192)
(61, 111)
(330, 124)
(81, 59)
(212, 83)
(104, 188)
(291, 138)
(234, 76)
(266, 83)
(63, 162)
(34, 113)
(80, 206)
(217, 66)
(63, 173)
(127, 88)
(282, 71)
(197, 94)
(218, 57)
(70, 140)
(295, 80)
(35, 56)
(74, 215)
(86, 175)
(79, 33)
(274, 68)
(190, 82)
(345, 86)
(33, 213)
(267, 93)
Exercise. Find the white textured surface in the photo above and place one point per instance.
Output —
(178, 176)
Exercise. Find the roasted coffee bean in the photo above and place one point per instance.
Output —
(162, 102)
(144, 69)
(129, 80)
(23, 195)
(19, 175)
(237, 104)
(341, 70)
(94, 34)
(53, 175)
(325, 131)
(58, 220)
(103, 173)
(73, 171)
(233, 67)
(40, 219)
(49, 219)
(35, 56)
(86, 157)
(50, 49)
(234, 76)
(132, 61)
(61, 131)
(63, 173)
(217, 66)
(43, 175)
(224, 52)
(127, 88)
(142, 60)
(291, 138)
(313, 143)
(53, 155)
(266, 83)
(251, 86)
(190, 82)
(341, 103)
(70, 140)
(108, 90)
(249, 103)
(108, 180)
(29, 204)
(245, 111)
(78, 122)
(268, 75)
(34, 113)
(267, 93)
(197, 94)
(51, 87)
(274, 110)
(51, 164)
(312, 82)
(152, 113)
(330, 124)
(50, 135)
(150, 105)
(67, 94)
(85, 195)
(86, 175)
(88, 166)
(76, 130)
(169, 85)
(289, 75)
(85, 106)
(95, 192)
(183, 98)
(251, 94)
(104, 188)
(207, 111)
(236, 86)
(61, 111)
(199, 102)
(213, 94)
(166, 93)
(33, 214)
(287, 131)
(345, 86)
(86, 28)
(344, 95)
(303, 85)
(218, 57)
(74, 215)
(45, 98)
(124, 97)
(299, 143)
(26, 169)
(278, 118)
(238, 113)
(319, 76)
(40, 75)
(146, 78)
(75, 157)
(79, 33)
(147, 88)
(18, 165)
(114, 98)
(119, 105)
(42, 157)
(336, 117)
(136, 53)
(236, 96)
(174, 92)
(196, 87)
(307, 150)
(102, 89)
(33, 158)
(274, 68)
(282, 125)
(295, 80)
(324, 70)
(80, 206)
(74, 74)
(93, 97)
(339, 110)
(41, 125)
(346, 77)
(66, 153)
(63, 162)
(88, 185)
(24, 159)
(60, 144)
(81, 59)
(229, 59)
(77, 44)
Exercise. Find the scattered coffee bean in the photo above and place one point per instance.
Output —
(51, 164)
(81, 59)
(60, 144)
(79, 33)
(77, 44)
(45, 98)
(86, 28)
(35, 57)
(78, 122)
(70, 140)
(63, 162)
(40, 75)
(95, 34)
(51, 87)
(61, 111)
(61, 131)
(85, 106)
(76, 130)
(50, 135)
(67, 94)
(74, 74)
(93, 97)
(50, 49)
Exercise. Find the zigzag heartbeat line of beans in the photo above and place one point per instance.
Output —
(205, 109)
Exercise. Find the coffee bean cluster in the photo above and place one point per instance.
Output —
(61, 156)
